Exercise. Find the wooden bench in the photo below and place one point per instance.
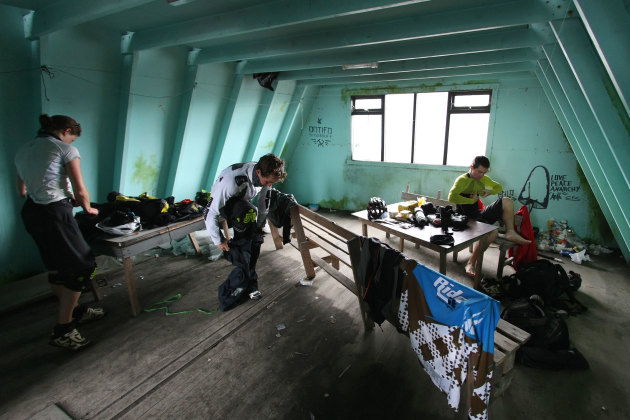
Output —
(343, 246)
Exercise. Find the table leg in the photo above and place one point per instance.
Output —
(194, 242)
(131, 286)
(96, 292)
(401, 245)
(478, 275)
(443, 263)
(364, 229)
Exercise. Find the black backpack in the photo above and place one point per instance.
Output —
(549, 346)
(542, 278)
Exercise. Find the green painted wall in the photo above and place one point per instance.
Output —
(250, 98)
(19, 109)
(275, 118)
(524, 134)
(153, 114)
(86, 64)
(201, 130)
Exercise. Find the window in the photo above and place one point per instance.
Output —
(436, 128)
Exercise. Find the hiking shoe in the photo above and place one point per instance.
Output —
(255, 295)
(91, 314)
(71, 341)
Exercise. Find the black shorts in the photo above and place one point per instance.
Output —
(491, 214)
(60, 242)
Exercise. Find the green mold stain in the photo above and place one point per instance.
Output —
(344, 204)
(347, 93)
(479, 82)
(597, 221)
(146, 172)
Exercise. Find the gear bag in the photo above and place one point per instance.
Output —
(549, 346)
(542, 278)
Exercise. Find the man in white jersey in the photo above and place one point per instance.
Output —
(230, 198)
(242, 181)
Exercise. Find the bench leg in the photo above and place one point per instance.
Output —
(332, 260)
(303, 243)
(354, 249)
(275, 235)
(502, 255)
(131, 286)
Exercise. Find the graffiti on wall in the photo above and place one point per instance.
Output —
(563, 188)
(506, 193)
(540, 187)
(320, 135)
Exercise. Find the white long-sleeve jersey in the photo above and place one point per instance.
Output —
(235, 181)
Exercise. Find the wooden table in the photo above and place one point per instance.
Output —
(125, 247)
(475, 232)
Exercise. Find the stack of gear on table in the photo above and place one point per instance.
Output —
(420, 213)
(124, 215)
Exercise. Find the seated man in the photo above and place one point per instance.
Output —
(466, 192)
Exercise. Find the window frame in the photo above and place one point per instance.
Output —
(380, 111)
(450, 109)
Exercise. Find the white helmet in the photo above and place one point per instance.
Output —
(124, 229)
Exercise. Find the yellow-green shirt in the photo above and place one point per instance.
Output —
(467, 185)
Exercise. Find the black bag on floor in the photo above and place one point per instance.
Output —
(549, 346)
(542, 278)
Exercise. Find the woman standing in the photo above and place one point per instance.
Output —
(49, 176)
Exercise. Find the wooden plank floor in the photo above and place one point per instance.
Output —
(235, 364)
(238, 365)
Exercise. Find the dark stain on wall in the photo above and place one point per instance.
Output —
(597, 221)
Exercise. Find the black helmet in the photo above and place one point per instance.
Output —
(377, 209)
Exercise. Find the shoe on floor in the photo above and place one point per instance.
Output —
(255, 295)
(91, 314)
(72, 340)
